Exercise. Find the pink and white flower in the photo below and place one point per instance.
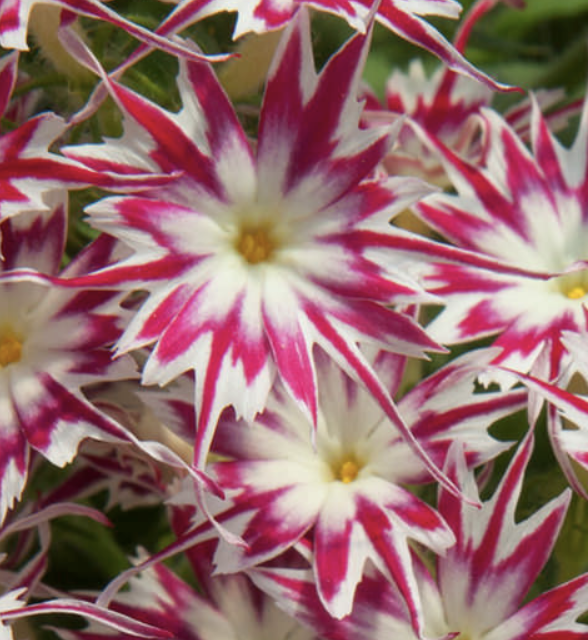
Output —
(249, 258)
(53, 342)
(481, 581)
(527, 212)
(343, 486)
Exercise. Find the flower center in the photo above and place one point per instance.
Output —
(575, 293)
(255, 245)
(10, 348)
(574, 286)
(348, 470)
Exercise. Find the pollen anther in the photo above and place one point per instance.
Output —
(10, 349)
(255, 246)
(348, 471)
(575, 293)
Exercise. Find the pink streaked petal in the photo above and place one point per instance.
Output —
(494, 553)
(548, 151)
(551, 616)
(55, 420)
(419, 32)
(393, 558)
(513, 167)
(221, 323)
(35, 240)
(225, 138)
(537, 349)
(253, 15)
(340, 551)
(14, 457)
(443, 408)
(8, 71)
(286, 515)
(157, 313)
(173, 148)
(301, 153)
(413, 517)
(289, 343)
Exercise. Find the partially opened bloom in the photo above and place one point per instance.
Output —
(527, 212)
(250, 258)
(481, 581)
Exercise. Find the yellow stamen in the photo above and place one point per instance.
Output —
(575, 293)
(255, 246)
(348, 471)
(10, 349)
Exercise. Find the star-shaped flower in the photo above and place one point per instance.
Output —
(250, 258)
(481, 581)
(53, 342)
(345, 486)
(526, 212)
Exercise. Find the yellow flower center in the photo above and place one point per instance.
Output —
(255, 245)
(10, 348)
(574, 286)
(575, 293)
(348, 471)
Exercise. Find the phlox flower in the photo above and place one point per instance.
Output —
(344, 486)
(53, 342)
(480, 583)
(526, 211)
(250, 258)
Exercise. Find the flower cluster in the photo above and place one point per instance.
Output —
(244, 338)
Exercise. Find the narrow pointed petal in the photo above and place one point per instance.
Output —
(494, 554)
